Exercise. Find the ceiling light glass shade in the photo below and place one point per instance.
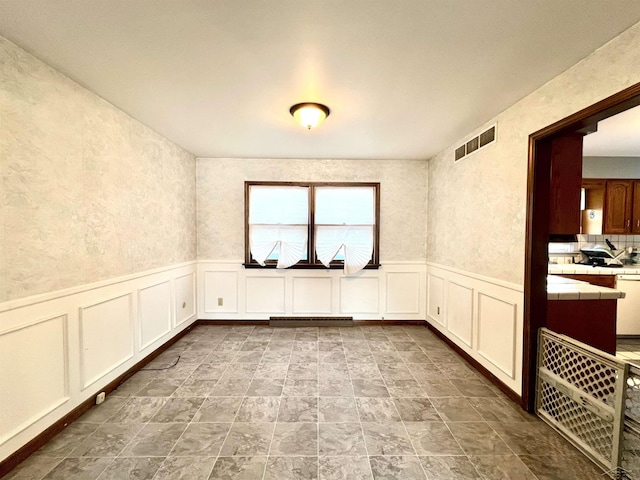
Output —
(309, 114)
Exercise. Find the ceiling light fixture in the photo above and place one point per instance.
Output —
(309, 114)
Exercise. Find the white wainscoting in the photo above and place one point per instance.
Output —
(228, 291)
(483, 316)
(59, 349)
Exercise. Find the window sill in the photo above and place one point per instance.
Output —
(297, 266)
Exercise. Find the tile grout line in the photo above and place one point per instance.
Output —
(239, 406)
(275, 423)
(444, 422)
(191, 422)
(355, 404)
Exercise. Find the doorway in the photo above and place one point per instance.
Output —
(539, 188)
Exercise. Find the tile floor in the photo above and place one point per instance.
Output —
(628, 349)
(259, 403)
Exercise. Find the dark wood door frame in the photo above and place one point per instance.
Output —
(537, 227)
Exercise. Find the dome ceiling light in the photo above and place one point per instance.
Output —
(309, 114)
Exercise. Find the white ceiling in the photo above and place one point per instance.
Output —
(617, 136)
(404, 79)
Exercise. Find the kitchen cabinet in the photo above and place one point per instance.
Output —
(566, 178)
(618, 206)
(635, 218)
(589, 321)
(592, 215)
(612, 207)
(608, 281)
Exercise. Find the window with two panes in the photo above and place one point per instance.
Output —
(312, 225)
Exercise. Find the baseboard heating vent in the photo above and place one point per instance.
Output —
(475, 144)
(311, 321)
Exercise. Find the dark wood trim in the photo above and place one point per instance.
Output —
(359, 323)
(616, 103)
(486, 373)
(247, 252)
(13, 460)
(536, 263)
(537, 223)
(308, 266)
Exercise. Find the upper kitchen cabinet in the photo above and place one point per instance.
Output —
(593, 204)
(635, 217)
(618, 207)
(565, 153)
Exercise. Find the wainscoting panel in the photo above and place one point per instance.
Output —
(435, 299)
(484, 317)
(220, 292)
(496, 332)
(23, 403)
(61, 348)
(359, 295)
(312, 296)
(154, 308)
(185, 298)
(403, 292)
(460, 312)
(395, 291)
(106, 337)
(265, 295)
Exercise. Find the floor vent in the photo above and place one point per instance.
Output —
(311, 321)
(476, 143)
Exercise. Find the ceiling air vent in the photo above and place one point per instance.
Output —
(476, 143)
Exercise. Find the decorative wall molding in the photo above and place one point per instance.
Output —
(497, 315)
(45, 297)
(154, 306)
(483, 318)
(459, 312)
(106, 337)
(81, 340)
(28, 402)
(185, 298)
(395, 291)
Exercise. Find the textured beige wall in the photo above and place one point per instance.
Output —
(220, 185)
(88, 193)
(477, 207)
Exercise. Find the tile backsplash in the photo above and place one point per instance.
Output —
(563, 253)
(619, 241)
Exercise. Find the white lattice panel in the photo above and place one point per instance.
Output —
(581, 394)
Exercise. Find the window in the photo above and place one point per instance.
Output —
(312, 225)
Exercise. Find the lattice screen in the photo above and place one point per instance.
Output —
(581, 393)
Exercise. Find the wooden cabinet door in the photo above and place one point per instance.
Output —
(635, 222)
(618, 207)
(566, 180)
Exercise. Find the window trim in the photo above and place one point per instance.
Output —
(312, 262)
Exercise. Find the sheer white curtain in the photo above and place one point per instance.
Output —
(278, 217)
(345, 221)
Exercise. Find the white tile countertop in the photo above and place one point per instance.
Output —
(559, 288)
(589, 270)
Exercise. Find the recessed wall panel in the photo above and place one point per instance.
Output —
(220, 288)
(435, 299)
(311, 295)
(155, 312)
(403, 292)
(185, 298)
(460, 312)
(265, 295)
(359, 295)
(106, 337)
(497, 332)
(33, 373)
